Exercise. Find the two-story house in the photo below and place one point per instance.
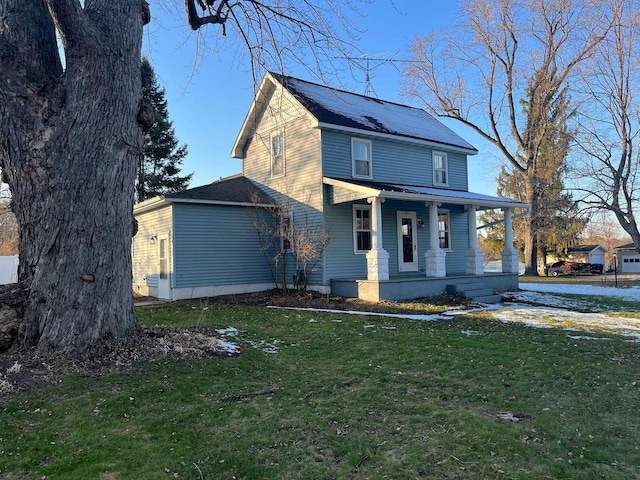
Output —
(387, 182)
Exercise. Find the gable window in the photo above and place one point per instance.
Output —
(361, 158)
(444, 230)
(361, 228)
(277, 155)
(440, 169)
(286, 232)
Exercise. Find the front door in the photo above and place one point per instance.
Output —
(163, 267)
(407, 242)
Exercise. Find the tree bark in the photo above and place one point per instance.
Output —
(70, 149)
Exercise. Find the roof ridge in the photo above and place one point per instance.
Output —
(280, 76)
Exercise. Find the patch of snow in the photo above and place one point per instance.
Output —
(228, 347)
(469, 333)
(546, 317)
(632, 293)
(586, 337)
(229, 331)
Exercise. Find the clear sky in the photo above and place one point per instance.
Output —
(209, 92)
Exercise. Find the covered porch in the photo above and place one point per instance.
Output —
(451, 262)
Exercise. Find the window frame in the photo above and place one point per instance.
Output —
(444, 170)
(369, 146)
(273, 157)
(356, 209)
(447, 230)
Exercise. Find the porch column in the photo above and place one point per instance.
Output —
(509, 254)
(474, 256)
(377, 257)
(435, 256)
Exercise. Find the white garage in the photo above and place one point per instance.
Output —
(628, 259)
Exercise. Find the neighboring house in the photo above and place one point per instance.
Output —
(583, 253)
(628, 258)
(388, 182)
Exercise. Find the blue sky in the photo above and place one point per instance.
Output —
(209, 92)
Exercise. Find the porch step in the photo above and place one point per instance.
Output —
(475, 291)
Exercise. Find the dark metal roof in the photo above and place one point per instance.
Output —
(585, 248)
(350, 110)
(228, 190)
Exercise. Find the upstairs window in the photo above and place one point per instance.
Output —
(277, 155)
(440, 169)
(444, 233)
(361, 158)
(361, 228)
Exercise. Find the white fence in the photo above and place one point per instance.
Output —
(8, 269)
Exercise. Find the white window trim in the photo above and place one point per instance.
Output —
(284, 155)
(446, 168)
(355, 231)
(448, 223)
(353, 160)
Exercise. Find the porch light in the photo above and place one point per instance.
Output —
(421, 223)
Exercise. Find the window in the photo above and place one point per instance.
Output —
(444, 231)
(361, 228)
(277, 155)
(440, 170)
(286, 232)
(361, 158)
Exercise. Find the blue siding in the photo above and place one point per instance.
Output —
(342, 262)
(456, 262)
(393, 162)
(216, 245)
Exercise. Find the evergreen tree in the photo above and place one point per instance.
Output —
(557, 223)
(159, 172)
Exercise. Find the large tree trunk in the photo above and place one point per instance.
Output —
(70, 152)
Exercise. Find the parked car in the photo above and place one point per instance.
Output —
(566, 267)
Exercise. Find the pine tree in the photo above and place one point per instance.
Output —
(557, 224)
(159, 172)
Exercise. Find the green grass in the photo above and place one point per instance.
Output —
(344, 397)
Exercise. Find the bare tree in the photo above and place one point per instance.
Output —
(8, 225)
(292, 246)
(72, 137)
(607, 165)
(501, 71)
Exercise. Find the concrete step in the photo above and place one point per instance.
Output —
(488, 299)
(475, 291)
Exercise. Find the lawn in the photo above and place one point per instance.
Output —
(334, 396)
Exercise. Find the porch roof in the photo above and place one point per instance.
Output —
(350, 190)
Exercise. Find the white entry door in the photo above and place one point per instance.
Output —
(407, 242)
(163, 267)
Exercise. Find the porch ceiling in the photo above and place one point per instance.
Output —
(348, 191)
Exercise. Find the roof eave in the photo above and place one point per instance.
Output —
(424, 197)
(403, 138)
(219, 202)
(151, 204)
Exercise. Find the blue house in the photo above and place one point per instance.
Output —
(387, 182)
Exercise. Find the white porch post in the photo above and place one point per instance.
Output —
(474, 256)
(377, 257)
(435, 256)
(509, 254)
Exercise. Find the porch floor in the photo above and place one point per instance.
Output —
(410, 286)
